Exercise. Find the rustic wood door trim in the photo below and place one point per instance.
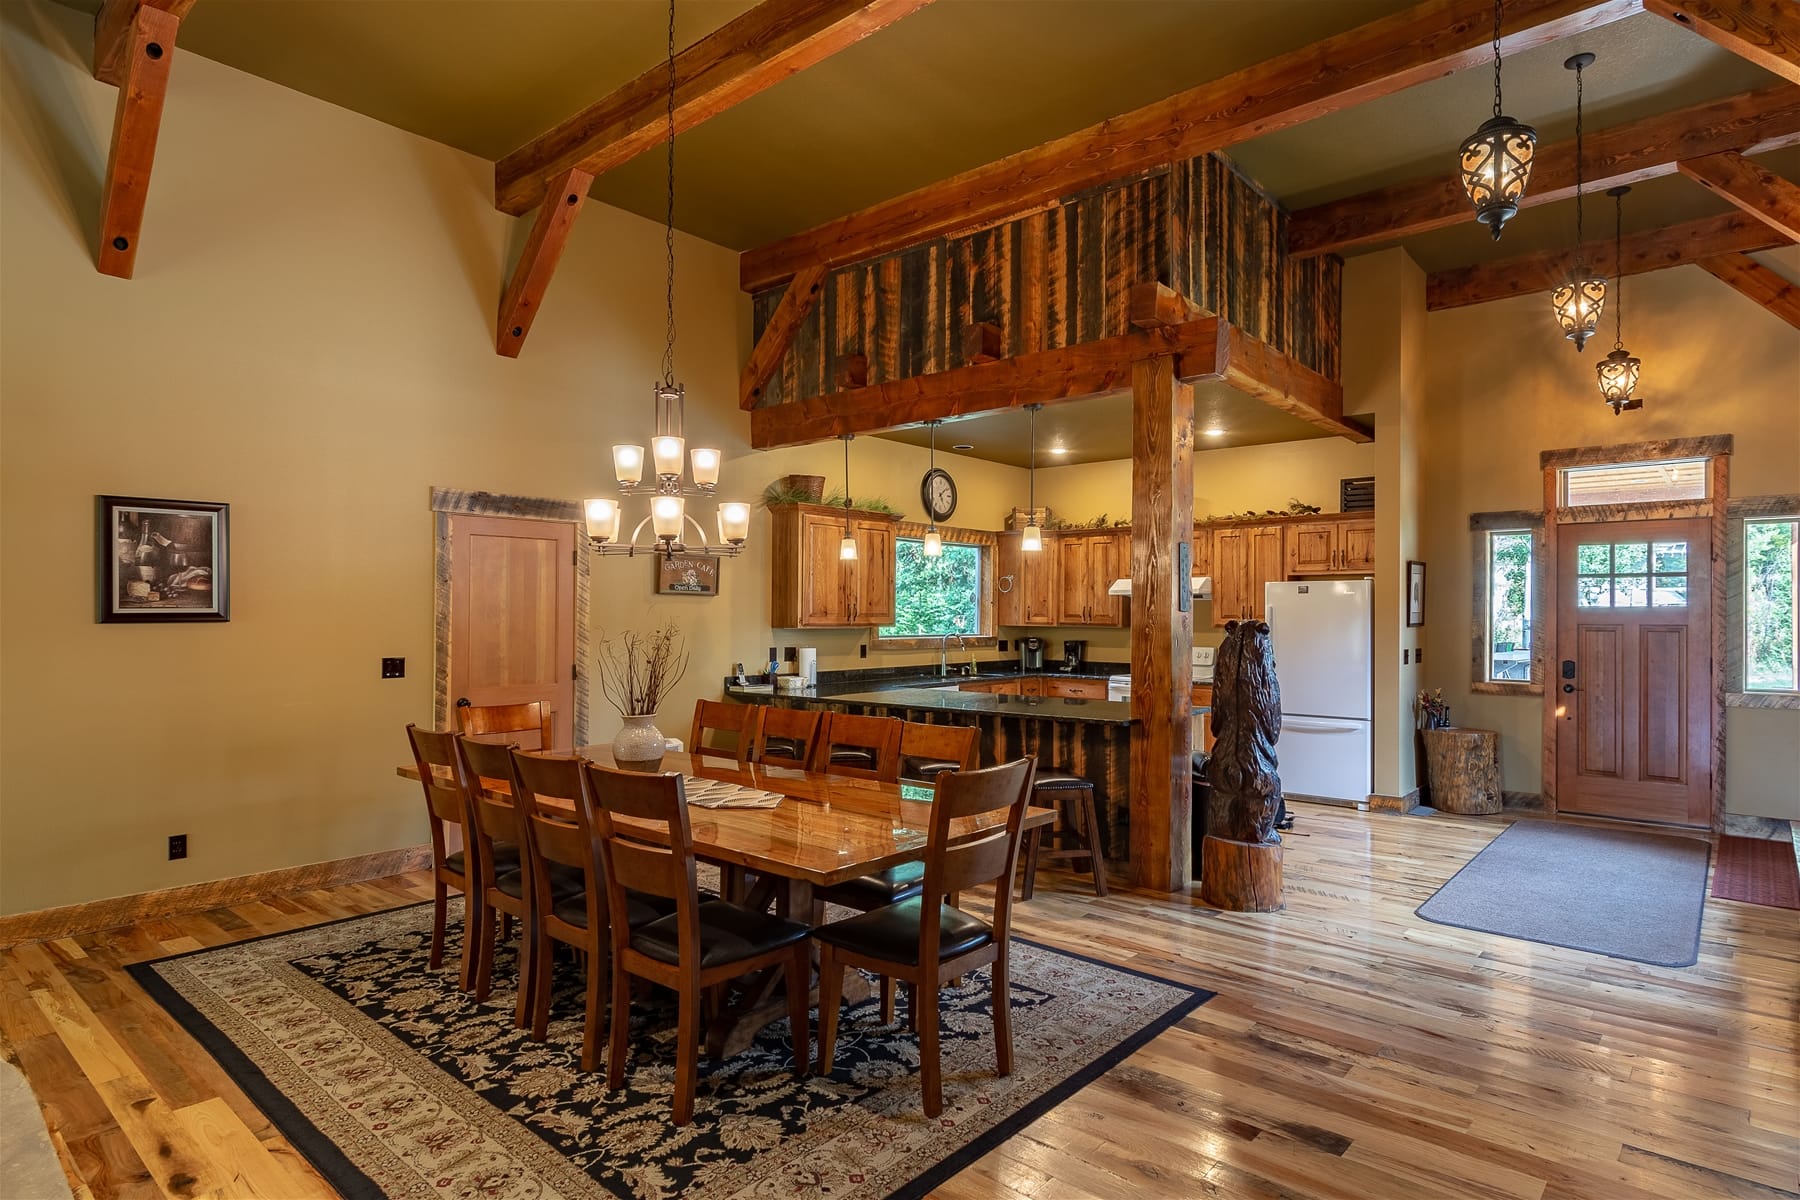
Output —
(449, 502)
(1718, 450)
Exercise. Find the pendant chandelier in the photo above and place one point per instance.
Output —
(1618, 371)
(934, 542)
(847, 547)
(1496, 159)
(670, 484)
(1578, 303)
(1033, 536)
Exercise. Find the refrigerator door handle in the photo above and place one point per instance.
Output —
(1320, 725)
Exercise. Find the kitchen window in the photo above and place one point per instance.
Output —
(1506, 565)
(1771, 605)
(945, 595)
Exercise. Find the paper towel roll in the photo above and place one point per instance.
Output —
(809, 665)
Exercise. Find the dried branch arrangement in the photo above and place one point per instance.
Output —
(639, 670)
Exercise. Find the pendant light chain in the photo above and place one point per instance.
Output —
(669, 223)
(1579, 178)
(1618, 270)
(1497, 7)
(1031, 479)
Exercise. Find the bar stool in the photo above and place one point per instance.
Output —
(1076, 834)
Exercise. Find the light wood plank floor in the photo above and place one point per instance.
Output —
(1353, 1050)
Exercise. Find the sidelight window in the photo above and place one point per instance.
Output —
(1771, 661)
(1509, 605)
(1631, 575)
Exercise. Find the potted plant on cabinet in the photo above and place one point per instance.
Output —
(637, 673)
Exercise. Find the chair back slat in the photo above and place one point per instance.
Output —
(534, 720)
(654, 855)
(556, 832)
(440, 773)
(495, 820)
(994, 855)
(715, 716)
(797, 726)
(878, 736)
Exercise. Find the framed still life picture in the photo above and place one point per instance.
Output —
(163, 560)
(1415, 592)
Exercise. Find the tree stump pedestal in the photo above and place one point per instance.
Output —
(1240, 876)
(1463, 767)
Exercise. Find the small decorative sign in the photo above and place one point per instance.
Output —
(163, 560)
(1415, 593)
(687, 575)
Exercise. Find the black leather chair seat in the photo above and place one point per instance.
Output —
(926, 769)
(1060, 781)
(853, 756)
(641, 909)
(506, 858)
(892, 933)
(786, 747)
(728, 933)
(878, 890)
(564, 882)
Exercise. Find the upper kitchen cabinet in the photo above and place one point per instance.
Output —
(1089, 562)
(1027, 591)
(811, 586)
(1331, 547)
(1244, 557)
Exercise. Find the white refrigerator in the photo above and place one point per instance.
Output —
(1323, 636)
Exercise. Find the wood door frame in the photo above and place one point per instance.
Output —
(1716, 449)
(451, 502)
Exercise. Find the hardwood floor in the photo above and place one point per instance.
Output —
(1353, 1049)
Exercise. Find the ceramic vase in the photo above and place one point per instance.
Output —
(639, 744)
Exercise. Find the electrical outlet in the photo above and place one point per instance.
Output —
(177, 846)
(1405, 657)
(1002, 646)
(1419, 656)
(862, 651)
(393, 668)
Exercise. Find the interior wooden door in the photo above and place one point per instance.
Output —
(1633, 681)
(512, 615)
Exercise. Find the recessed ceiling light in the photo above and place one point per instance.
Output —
(1215, 433)
(963, 446)
(1059, 449)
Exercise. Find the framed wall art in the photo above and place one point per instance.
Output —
(163, 560)
(687, 575)
(1415, 592)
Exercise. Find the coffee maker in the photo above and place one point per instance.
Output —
(1031, 655)
(1074, 653)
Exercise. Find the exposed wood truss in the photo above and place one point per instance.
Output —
(1651, 250)
(771, 42)
(543, 249)
(1769, 290)
(802, 293)
(1258, 370)
(134, 47)
(1752, 123)
(1761, 193)
(1766, 32)
(1385, 56)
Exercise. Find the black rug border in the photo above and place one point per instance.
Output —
(353, 1184)
(1699, 917)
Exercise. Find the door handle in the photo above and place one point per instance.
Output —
(1568, 688)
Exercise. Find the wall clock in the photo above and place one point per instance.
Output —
(938, 493)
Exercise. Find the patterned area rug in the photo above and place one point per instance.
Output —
(395, 1084)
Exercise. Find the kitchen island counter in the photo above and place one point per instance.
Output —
(945, 699)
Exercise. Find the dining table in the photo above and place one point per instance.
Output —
(826, 829)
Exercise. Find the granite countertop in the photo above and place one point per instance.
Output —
(945, 695)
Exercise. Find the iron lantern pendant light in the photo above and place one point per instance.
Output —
(1618, 371)
(1578, 303)
(1496, 159)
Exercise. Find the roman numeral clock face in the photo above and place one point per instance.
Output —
(938, 493)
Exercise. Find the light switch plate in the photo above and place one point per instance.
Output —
(393, 668)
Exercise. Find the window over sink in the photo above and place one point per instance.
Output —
(942, 596)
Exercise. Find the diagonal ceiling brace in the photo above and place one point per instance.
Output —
(1765, 32)
(1763, 194)
(1771, 292)
(134, 43)
(537, 263)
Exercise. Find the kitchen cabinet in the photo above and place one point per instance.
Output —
(1075, 689)
(1203, 551)
(810, 586)
(1202, 698)
(1026, 583)
(998, 687)
(1244, 558)
(1087, 564)
(1331, 547)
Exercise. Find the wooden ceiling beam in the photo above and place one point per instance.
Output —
(1043, 377)
(149, 52)
(1769, 290)
(1652, 250)
(1752, 123)
(1155, 305)
(1264, 373)
(1765, 32)
(113, 26)
(537, 263)
(774, 40)
(1430, 40)
(765, 357)
(1761, 193)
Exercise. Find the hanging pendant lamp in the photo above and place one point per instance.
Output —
(1496, 159)
(934, 543)
(1033, 536)
(1618, 371)
(847, 547)
(1578, 303)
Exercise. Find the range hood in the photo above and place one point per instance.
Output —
(1202, 587)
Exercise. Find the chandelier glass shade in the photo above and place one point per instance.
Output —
(1618, 372)
(1032, 539)
(934, 542)
(1496, 159)
(847, 547)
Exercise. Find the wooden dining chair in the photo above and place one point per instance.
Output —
(716, 716)
(787, 737)
(924, 942)
(567, 893)
(700, 944)
(859, 747)
(486, 720)
(446, 808)
(927, 751)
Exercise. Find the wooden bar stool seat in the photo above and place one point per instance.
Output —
(1077, 831)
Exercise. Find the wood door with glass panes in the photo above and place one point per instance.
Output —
(1632, 684)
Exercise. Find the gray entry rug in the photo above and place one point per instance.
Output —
(1616, 892)
(395, 1084)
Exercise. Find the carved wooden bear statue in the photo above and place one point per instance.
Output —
(1246, 721)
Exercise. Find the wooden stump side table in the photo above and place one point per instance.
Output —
(1463, 766)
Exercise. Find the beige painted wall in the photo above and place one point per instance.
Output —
(1713, 363)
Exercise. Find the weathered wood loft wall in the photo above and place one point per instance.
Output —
(1062, 277)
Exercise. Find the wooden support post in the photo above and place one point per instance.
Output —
(136, 121)
(1162, 625)
(852, 371)
(982, 342)
(1758, 191)
(802, 293)
(1765, 32)
(543, 250)
(1769, 290)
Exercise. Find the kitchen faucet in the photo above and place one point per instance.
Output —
(944, 657)
(961, 645)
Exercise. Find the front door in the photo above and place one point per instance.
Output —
(1633, 681)
(512, 615)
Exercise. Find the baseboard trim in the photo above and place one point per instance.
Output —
(1523, 802)
(1395, 804)
(47, 923)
